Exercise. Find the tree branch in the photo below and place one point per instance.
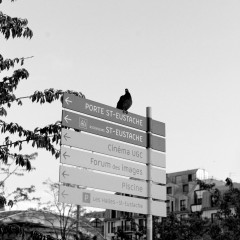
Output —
(1, 183)
(21, 141)
(48, 95)
(6, 64)
(41, 140)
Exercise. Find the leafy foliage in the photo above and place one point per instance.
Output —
(6, 64)
(14, 27)
(192, 227)
(23, 194)
(229, 212)
(40, 137)
(44, 137)
(7, 86)
(205, 186)
(7, 230)
(47, 137)
(6, 89)
(11, 229)
(195, 227)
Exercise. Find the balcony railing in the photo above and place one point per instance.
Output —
(127, 228)
(196, 208)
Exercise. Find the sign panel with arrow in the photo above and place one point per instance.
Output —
(111, 148)
(112, 165)
(101, 181)
(109, 113)
(105, 129)
(90, 198)
(102, 128)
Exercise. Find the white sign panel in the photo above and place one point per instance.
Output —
(111, 147)
(96, 199)
(158, 175)
(109, 164)
(109, 182)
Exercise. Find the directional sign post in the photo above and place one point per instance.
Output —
(108, 150)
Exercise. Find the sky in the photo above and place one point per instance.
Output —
(179, 57)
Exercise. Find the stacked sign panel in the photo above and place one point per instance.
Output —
(106, 156)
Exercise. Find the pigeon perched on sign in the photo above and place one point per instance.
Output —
(125, 101)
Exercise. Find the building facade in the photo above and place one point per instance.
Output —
(124, 225)
(184, 196)
(96, 219)
(181, 190)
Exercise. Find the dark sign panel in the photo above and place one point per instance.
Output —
(158, 143)
(158, 128)
(105, 129)
(111, 114)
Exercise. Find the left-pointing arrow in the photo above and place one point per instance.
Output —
(64, 194)
(64, 174)
(66, 136)
(67, 119)
(65, 155)
(68, 101)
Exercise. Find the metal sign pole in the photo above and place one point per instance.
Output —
(149, 181)
(78, 213)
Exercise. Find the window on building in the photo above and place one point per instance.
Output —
(128, 215)
(113, 213)
(141, 222)
(215, 198)
(172, 206)
(185, 188)
(168, 207)
(199, 201)
(214, 218)
(169, 190)
(189, 177)
(94, 223)
(178, 179)
(121, 214)
(198, 197)
(182, 205)
(112, 227)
